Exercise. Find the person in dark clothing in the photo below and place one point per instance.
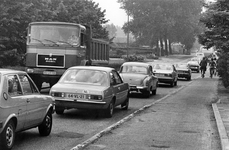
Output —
(212, 66)
(203, 66)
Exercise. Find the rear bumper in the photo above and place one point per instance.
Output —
(81, 104)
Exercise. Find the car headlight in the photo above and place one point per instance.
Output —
(57, 94)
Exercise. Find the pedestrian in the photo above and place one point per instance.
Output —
(203, 66)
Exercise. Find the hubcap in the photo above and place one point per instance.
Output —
(9, 136)
(48, 121)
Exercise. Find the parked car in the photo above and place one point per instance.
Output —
(22, 107)
(90, 87)
(194, 64)
(166, 73)
(139, 76)
(184, 71)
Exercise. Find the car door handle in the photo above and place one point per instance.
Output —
(28, 101)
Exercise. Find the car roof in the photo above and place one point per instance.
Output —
(100, 68)
(136, 63)
(7, 71)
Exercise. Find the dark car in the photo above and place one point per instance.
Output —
(90, 87)
(184, 71)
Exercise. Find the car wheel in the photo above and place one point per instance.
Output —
(7, 137)
(146, 93)
(172, 84)
(175, 83)
(125, 104)
(189, 78)
(46, 126)
(110, 110)
(59, 110)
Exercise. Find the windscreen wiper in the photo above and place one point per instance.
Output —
(38, 40)
(65, 42)
(51, 41)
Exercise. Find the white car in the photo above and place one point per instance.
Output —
(194, 64)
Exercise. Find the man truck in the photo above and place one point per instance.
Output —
(52, 47)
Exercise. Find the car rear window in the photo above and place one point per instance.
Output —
(163, 67)
(134, 69)
(86, 76)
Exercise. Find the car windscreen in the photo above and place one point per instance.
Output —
(85, 76)
(163, 67)
(134, 69)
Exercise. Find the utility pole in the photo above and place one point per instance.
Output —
(128, 38)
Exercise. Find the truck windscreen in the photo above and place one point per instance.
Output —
(54, 34)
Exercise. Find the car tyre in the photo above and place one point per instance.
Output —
(146, 93)
(125, 104)
(7, 137)
(189, 78)
(46, 126)
(110, 110)
(59, 110)
(172, 84)
(175, 83)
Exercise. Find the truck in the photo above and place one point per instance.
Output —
(52, 47)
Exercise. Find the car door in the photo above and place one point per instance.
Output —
(153, 80)
(15, 101)
(119, 87)
(35, 102)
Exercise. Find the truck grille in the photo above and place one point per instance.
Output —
(50, 61)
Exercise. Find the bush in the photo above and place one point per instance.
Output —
(139, 58)
(11, 58)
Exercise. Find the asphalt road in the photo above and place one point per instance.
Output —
(76, 126)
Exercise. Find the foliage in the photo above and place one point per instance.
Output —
(15, 15)
(138, 58)
(11, 58)
(216, 21)
(176, 20)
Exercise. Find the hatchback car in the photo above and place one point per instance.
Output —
(90, 87)
(140, 77)
(194, 64)
(184, 71)
(22, 107)
(166, 73)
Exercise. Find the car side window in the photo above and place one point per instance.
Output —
(118, 79)
(27, 85)
(14, 88)
(112, 79)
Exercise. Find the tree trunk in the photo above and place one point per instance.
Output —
(157, 49)
(162, 47)
(166, 46)
(170, 48)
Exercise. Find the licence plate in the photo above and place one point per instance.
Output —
(49, 72)
(76, 96)
(160, 75)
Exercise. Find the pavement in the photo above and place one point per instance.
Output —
(221, 112)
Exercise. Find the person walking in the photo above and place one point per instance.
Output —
(212, 67)
(203, 66)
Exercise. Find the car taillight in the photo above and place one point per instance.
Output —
(95, 97)
(57, 94)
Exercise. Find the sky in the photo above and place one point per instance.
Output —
(114, 13)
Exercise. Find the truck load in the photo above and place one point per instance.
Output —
(52, 47)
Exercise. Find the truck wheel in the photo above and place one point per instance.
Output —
(7, 137)
(46, 126)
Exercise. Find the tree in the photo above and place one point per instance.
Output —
(157, 20)
(216, 33)
(15, 15)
